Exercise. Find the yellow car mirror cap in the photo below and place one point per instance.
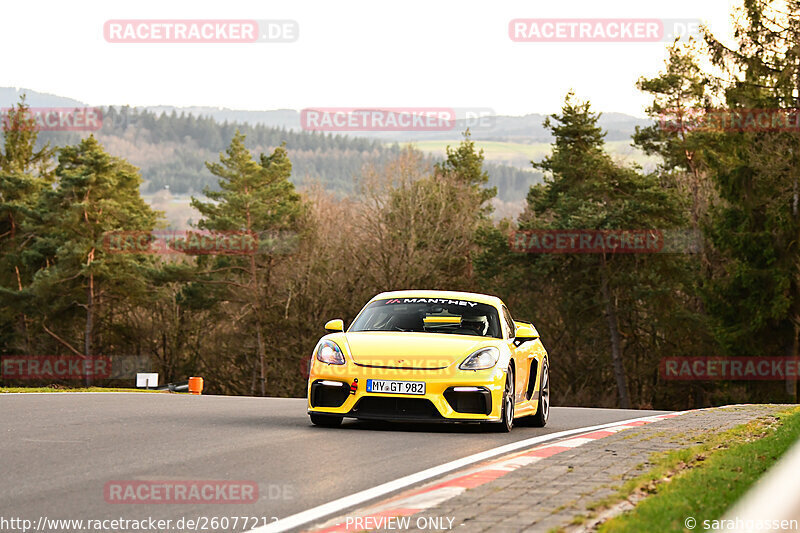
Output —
(525, 332)
(334, 325)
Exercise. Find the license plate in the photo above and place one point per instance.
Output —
(395, 387)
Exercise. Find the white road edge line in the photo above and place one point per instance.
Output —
(337, 506)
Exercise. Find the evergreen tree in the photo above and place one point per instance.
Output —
(254, 196)
(584, 189)
(95, 193)
(464, 166)
(756, 297)
(25, 172)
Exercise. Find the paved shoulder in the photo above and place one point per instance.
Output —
(548, 493)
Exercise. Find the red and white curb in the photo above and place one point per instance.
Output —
(417, 500)
(511, 456)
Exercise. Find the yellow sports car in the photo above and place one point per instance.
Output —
(430, 356)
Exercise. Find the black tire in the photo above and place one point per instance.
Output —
(327, 421)
(539, 419)
(507, 412)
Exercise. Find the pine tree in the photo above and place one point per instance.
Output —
(95, 193)
(585, 189)
(463, 166)
(255, 197)
(25, 172)
(756, 226)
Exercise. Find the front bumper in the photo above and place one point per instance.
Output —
(451, 394)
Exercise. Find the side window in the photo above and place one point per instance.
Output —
(512, 329)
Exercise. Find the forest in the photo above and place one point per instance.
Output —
(171, 149)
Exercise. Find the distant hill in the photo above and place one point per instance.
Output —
(525, 129)
(170, 144)
(171, 149)
(10, 96)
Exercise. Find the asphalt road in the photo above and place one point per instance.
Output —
(58, 451)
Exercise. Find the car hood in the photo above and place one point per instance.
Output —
(411, 350)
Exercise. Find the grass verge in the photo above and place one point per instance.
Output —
(67, 389)
(704, 480)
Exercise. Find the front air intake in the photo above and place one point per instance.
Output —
(472, 400)
(396, 408)
(325, 393)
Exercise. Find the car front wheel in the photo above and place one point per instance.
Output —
(507, 413)
(543, 411)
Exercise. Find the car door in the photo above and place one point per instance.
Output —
(519, 354)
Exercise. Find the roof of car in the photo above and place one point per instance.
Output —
(451, 295)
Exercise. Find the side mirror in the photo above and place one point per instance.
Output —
(525, 332)
(334, 325)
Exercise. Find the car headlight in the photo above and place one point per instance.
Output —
(481, 359)
(329, 352)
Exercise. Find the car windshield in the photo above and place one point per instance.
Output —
(430, 315)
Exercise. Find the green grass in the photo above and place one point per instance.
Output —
(704, 480)
(66, 389)
(519, 153)
(494, 150)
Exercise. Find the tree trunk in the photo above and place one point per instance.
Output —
(87, 335)
(262, 356)
(262, 352)
(791, 381)
(613, 330)
(23, 319)
(255, 379)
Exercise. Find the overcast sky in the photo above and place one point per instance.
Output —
(449, 53)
